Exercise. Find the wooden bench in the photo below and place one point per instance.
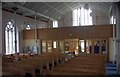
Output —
(81, 65)
(31, 63)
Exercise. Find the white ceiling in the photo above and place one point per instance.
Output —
(51, 10)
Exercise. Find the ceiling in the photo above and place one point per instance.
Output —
(50, 10)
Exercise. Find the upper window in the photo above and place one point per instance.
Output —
(55, 24)
(10, 38)
(82, 17)
(112, 20)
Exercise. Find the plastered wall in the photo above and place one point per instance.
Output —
(7, 16)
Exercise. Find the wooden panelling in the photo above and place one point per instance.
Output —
(103, 31)
(42, 34)
(81, 32)
(29, 34)
(85, 32)
(52, 34)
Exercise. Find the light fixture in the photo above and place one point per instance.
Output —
(28, 27)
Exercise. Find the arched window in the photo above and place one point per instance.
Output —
(55, 24)
(112, 20)
(81, 17)
(10, 38)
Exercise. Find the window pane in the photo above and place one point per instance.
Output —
(55, 24)
(82, 45)
(82, 17)
(112, 20)
(54, 44)
(10, 37)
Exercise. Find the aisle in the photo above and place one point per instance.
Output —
(111, 69)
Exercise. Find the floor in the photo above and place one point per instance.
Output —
(111, 70)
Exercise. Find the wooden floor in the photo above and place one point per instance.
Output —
(55, 63)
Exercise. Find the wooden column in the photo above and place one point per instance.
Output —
(64, 46)
(89, 44)
(100, 46)
(46, 46)
(85, 46)
(92, 46)
(52, 45)
(40, 47)
(78, 47)
(58, 45)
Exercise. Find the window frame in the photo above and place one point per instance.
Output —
(55, 24)
(10, 38)
(81, 17)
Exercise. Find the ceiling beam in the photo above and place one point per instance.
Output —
(68, 6)
(53, 8)
(34, 12)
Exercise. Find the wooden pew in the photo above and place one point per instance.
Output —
(31, 63)
(81, 65)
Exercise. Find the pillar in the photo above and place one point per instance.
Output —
(85, 50)
(92, 46)
(117, 7)
(1, 36)
(100, 46)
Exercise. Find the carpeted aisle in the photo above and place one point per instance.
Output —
(111, 70)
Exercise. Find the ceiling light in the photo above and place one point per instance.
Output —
(28, 27)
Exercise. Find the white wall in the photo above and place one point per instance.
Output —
(98, 16)
(6, 16)
(112, 50)
(32, 43)
(66, 20)
(21, 19)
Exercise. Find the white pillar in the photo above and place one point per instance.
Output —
(1, 48)
(118, 36)
(15, 34)
(0, 27)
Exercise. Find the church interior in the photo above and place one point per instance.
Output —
(59, 39)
